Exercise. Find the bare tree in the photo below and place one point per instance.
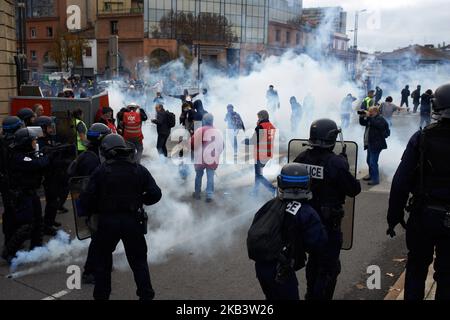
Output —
(187, 28)
(68, 48)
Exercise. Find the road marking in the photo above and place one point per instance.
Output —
(57, 295)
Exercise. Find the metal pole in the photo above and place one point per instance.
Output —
(356, 30)
(199, 59)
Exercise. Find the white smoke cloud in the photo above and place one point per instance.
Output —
(178, 226)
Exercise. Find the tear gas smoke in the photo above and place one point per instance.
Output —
(177, 225)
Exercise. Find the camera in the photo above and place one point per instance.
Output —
(362, 112)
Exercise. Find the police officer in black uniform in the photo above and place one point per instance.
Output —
(424, 172)
(88, 161)
(55, 177)
(26, 172)
(9, 127)
(84, 166)
(117, 190)
(331, 183)
(27, 116)
(301, 232)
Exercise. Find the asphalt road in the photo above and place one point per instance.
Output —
(198, 250)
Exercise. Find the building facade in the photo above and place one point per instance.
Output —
(46, 22)
(8, 83)
(330, 25)
(229, 32)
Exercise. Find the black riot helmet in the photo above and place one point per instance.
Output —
(294, 182)
(26, 115)
(114, 146)
(323, 134)
(46, 122)
(441, 100)
(23, 139)
(97, 132)
(11, 124)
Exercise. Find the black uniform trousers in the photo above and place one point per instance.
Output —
(24, 222)
(323, 267)
(426, 236)
(161, 144)
(112, 229)
(52, 193)
(266, 273)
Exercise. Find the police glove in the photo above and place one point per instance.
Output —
(391, 232)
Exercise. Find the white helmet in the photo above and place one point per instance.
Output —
(133, 105)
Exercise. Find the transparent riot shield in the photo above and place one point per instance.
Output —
(298, 146)
(82, 228)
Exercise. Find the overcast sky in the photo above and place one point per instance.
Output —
(390, 24)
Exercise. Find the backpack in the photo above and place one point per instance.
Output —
(171, 119)
(273, 229)
(237, 121)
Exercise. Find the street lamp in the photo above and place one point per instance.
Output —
(355, 45)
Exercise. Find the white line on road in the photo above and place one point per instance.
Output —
(57, 295)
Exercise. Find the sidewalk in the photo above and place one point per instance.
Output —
(397, 290)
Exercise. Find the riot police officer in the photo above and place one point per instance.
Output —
(9, 126)
(83, 166)
(27, 116)
(88, 161)
(55, 177)
(298, 229)
(117, 191)
(26, 171)
(331, 183)
(424, 172)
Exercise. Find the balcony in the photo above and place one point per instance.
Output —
(120, 11)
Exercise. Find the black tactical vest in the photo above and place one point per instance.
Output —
(121, 189)
(21, 180)
(326, 192)
(434, 170)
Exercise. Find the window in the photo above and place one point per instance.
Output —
(33, 55)
(88, 52)
(277, 35)
(288, 37)
(33, 33)
(114, 27)
(50, 32)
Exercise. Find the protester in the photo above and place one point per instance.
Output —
(207, 145)
(387, 110)
(377, 131)
(234, 124)
(163, 129)
(346, 110)
(425, 109)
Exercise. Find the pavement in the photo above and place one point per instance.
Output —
(197, 250)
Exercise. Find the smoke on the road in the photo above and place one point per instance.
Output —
(177, 226)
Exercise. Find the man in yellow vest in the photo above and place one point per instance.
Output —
(368, 101)
(80, 130)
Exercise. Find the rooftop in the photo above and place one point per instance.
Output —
(417, 52)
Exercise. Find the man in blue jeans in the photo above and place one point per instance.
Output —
(377, 130)
(207, 144)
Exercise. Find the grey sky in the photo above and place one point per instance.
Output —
(391, 24)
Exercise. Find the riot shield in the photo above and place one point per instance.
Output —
(298, 146)
(77, 185)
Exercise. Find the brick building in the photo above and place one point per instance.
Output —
(8, 84)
